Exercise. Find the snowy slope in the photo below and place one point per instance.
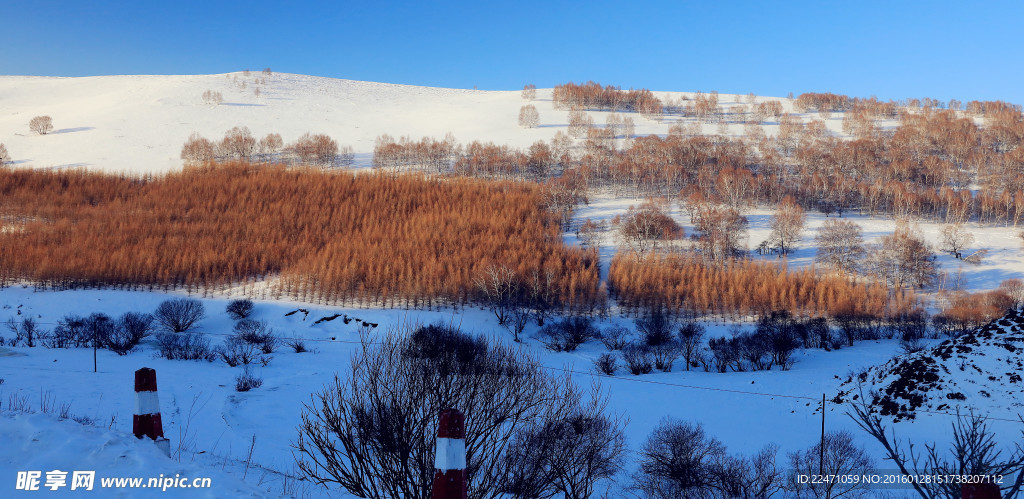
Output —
(979, 370)
(139, 123)
(41, 442)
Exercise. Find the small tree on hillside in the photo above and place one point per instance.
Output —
(179, 315)
(904, 258)
(787, 224)
(212, 98)
(579, 122)
(529, 91)
(840, 245)
(644, 226)
(316, 149)
(5, 158)
(238, 143)
(41, 125)
(198, 150)
(270, 144)
(528, 116)
(955, 239)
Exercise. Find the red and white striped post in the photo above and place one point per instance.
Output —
(146, 421)
(980, 491)
(450, 459)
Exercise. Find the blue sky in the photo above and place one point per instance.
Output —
(963, 50)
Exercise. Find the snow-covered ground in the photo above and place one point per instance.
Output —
(211, 426)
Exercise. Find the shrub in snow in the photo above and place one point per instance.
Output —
(725, 352)
(256, 333)
(247, 381)
(297, 344)
(615, 337)
(239, 309)
(371, 431)
(179, 315)
(69, 332)
(128, 332)
(691, 343)
(656, 327)
(41, 125)
(236, 351)
(568, 334)
(638, 359)
(184, 346)
(606, 363)
(26, 333)
(665, 355)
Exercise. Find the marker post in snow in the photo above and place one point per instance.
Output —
(146, 421)
(450, 458)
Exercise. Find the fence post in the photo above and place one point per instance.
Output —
(450, 457)
(980, 491)
(146, 421)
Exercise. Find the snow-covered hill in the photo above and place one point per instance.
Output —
(139, 123)
(979, 370)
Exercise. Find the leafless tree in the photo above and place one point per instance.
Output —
(903, 258)
(528, 116)
(678, 460)
(720, 230)
(179, 314)
(198, 150)
(212, 98)
(499, 288)
(644, 226)
(316, 149)
(840, 245)
(270, 144)
(691, 339)
(267, 72)
(372, 431)
(238, 143)
(842, 457)
(5, 157)
(529, 92)
(787, 224)
(591, 233)
(346, 157)
(579, 123)
(973, 451)
(955, 239)
(41, 125)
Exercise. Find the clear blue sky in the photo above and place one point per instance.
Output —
(893, 49)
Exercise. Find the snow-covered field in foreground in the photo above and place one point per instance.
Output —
(213, 426)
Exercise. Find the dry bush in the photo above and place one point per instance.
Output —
(316, 149)
(41, 125)
(528, 116)
(198, 150)
(417, 240)
(267, 72)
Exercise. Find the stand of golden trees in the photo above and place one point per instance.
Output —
(333, 237)
(686, 284)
